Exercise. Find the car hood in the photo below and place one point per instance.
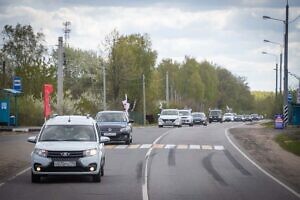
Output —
(169, 116)
(66, 146)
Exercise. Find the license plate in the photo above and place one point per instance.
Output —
(64, 163)
(109, 134)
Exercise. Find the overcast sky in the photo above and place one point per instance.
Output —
(229, 33)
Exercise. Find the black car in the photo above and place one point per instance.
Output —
(199, 118)
(115, 125)
(215, 116)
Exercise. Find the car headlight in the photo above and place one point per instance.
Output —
(41, 152)
(125, 129)
(90, 152)
(160, 120)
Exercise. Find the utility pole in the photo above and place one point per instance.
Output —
(276, 88)
(167, 88)
(280, 71)
(104, 87)
(60, 77)
(285, 82)
(144, 101)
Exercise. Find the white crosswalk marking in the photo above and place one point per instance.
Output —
(195, 146)
(207, 147)
(121, 147)
(168, 146)
(219, 147)
(145, 146)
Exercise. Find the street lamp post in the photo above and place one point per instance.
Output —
(285, 76)
(276, 69)
(280, 63)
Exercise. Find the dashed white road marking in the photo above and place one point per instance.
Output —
(145, 146)
(182, 146)
(167, 146)
(121, 147)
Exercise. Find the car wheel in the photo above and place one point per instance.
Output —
(160, 126)
(102, 170)
(97, 177)
(191, 124)
(35, 178)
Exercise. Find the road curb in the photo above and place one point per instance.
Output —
(19, 129)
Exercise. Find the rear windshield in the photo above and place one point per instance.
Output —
(68, 133)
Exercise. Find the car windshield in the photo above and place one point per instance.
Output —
(111, 117)
(183, 112)
(215, 112)
(169, 112)
(198, 115)
(68, 133)
(228, 114)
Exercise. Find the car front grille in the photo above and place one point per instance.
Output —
(65, 154)
(109, 129)
(168, 120)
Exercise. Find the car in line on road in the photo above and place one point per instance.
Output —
(186, 117)
(255, 117)
(169, 117)
(239, 118)
(247, 118)
(199, 118)
(228, 117)
(116, 125)
(215, 116)
(68, 145)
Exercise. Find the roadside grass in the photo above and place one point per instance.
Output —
(269, 124)
(289, 142)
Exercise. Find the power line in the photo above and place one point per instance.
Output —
(67, 31)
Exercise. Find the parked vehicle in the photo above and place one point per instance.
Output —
(169, 117)
(68, 145)
(255, 117)
(228, 117)
(199, 118)
(116, 125)
(186, 117)
(215, 116)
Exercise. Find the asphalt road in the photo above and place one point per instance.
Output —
(183, 163)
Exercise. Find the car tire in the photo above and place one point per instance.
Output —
(191, 124)
(102, 170)
(97, 177)
(35, 178)
(160, 126)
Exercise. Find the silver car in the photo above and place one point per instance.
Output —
(68, 145)
(169, 117)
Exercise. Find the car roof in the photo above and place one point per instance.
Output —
(170, 109)
(70, 120)
(111, 111)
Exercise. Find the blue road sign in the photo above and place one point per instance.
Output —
(17, 85)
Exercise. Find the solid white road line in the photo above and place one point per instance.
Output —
(145, 184)
(260, 168)
(18, 174)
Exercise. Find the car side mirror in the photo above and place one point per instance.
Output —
(32, 139)
(158, 115)
(131, 121)
(104, 139)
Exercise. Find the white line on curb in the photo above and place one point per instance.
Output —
(260, 168)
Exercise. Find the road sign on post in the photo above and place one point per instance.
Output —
(290, 97)
(17, 85)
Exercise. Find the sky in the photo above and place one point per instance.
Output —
(228, 33)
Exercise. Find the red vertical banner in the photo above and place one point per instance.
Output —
(48, 89)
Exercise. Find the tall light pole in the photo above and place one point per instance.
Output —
(60, 77)
(280, 63)
(285, 76)
(276, 68)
